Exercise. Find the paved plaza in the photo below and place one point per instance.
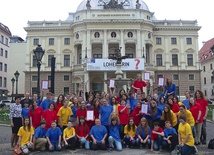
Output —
(6, 133)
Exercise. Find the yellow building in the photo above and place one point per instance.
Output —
(168, 47)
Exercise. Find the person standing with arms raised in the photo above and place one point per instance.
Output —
(139, 83)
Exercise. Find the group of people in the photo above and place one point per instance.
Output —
(118, 120)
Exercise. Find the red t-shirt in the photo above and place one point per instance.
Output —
(155, 136)
(175, 108)
(139, 84)
(134, 113)
(195, 111)
(81, 112)
(124, 116)
(81, 132)
(57, 107)
(36, 116)
(203, 104)
(49, 116)
(96, 113)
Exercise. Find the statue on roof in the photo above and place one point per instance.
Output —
(88, 5)
(138, 4)
(113, 4)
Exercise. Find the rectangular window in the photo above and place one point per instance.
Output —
(49, 60)
(205, 80)
(34, 61)
(49, 77)
(173, 41)
(174, 60)
(66, 90)
(80, 59)
(6, 41)
(66, 60)
(130, 55)
(212, 92)
(175, 77)
(212, 79)
(211, 66)
(5, 82)
(204, 69)
(189, 41)
(2, 39)
(191, 89)
(205, 92)
(51, 41)
(191, 77)
(1, 67)
(36, 41)
(0, 81)
(1, 52)
(159, 60)
(177, 90)
(34, 90)
(97, 56)
(158, 41)
(66, 77)
(6, 54)
(5, 67)
(34, 78)
(189, 59)
(67, 41)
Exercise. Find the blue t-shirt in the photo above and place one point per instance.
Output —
(114, 132)
(39, 132)
(53, 134)
(161, 106)
(170, 89)
(105, 112)
(133, 103)
(74, 110)
(98, 132)
(45, 104)
(186, 103)
(25, 112)
(168, 132)
(39, 101)
(143, 134)
(158, 114)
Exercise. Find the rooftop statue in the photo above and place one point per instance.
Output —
(88, 5)
(138, 4)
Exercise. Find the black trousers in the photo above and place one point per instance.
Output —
(98, 146)
(71, 143)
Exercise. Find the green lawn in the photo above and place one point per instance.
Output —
(210, 109)
(4, 116)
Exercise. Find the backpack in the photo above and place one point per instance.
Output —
(211, 144)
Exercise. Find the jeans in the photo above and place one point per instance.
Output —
(148, 142)
(193, 131)
(111, 141)
(86, 142)
(158, 143)
(129, 142)
(187, 150)
(55, 147)
(203, 132)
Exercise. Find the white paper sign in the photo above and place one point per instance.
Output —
(146, 76)
(90, 115)
(144, 108)
(44, 84)
(160, 81)
(111, 83)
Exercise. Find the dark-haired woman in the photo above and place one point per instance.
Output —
(169, 89)
(169, 115)
(130, 132)
(59, 102)
(35, 115)
(26, 136)
(82, 132)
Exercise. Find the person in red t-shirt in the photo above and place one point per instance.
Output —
(59, 102)
(137, 113)
(123, 113)
(139, 83)
(156, 137)
(199, 98)
(195, 109)
(49, 116)
(81, 111)
(35, 114)
(82, 132)
(173, 106)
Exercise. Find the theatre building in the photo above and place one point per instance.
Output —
(84, 41)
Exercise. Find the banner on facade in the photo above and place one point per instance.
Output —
(110, 65)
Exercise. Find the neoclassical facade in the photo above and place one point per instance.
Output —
(83, 43)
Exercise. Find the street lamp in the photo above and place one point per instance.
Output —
(16, 76)
(13, 81)
(38, 52)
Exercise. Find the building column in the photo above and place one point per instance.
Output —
(138, 47)
(105, 45)
(125, 76)
(105, 85)
(84, 46)
(58, 54)
(122, 42)
(143, 44)
(182, 53)
(167, 55)
(89, 52)
(197, 56)
(43, 46)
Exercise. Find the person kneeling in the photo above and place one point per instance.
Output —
(156, 137)
(69, 136)
(53, 136)
(98, 134)
(39, 140)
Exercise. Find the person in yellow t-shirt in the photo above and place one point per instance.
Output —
(169, 115)
(25, 134)
(69, 136)
(185, 137)
(130, 132)
(68, 97)
(64, 114)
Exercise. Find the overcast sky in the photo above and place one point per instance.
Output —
(16, 13)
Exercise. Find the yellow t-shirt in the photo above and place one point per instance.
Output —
(131, 132)
(115, 108)
(69, 103)
(64, 113)
(180, 103)
(68, 132)
(25, 135)
(190, 118)
(184, 130)
(174, 118)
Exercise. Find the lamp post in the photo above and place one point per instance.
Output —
(13, 81)
(38, 52)
(16, 76)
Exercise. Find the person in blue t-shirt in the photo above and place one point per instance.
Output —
(25, 110)
(104, 112)
(53, 136)
(161, 103)
(169, 89)
(143, 132)
(98, 134)
(39, 140)
(114, 134)
(186, 101)
(45, 104)
(170, 139)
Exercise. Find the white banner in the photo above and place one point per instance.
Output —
(110, 65)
